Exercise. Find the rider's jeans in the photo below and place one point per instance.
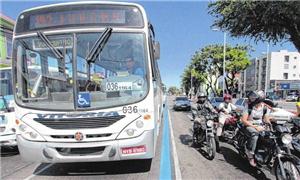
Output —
(222, 119)
(252, 140)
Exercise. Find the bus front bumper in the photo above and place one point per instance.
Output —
(141, 147)
(8, 140)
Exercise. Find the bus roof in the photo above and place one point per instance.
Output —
(31, 24)
(84, 2)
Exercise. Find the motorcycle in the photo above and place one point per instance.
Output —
(294, 125)
(271, 151)
(230, 126)
(204, 132)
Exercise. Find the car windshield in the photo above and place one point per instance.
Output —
(219, 99)
(239, 102)
(181, 99)
(116, 77)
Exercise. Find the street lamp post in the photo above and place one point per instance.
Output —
(191, 82)
(267, 60)
(224, 58)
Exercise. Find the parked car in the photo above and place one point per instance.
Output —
(291, 97)
(182, 103)
(241, 103)
(216, 101)
(273, 97)
(279, 115)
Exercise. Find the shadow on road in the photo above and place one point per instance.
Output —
(9, 151)
(233, 158)
(187, 140)
(230, 156)
(94, 168)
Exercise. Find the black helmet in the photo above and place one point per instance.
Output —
(254, 97)
(201, 97)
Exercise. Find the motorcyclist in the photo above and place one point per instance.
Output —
(202, 103)
(255, 116)
(225, 108)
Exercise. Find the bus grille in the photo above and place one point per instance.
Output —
(79, 123)
(81, 151)
(87, 136)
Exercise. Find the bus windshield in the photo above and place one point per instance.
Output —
(117, 77)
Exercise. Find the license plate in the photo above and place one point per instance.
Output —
(134, 150)
(118, 86)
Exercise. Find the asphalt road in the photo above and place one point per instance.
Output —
(192, 163)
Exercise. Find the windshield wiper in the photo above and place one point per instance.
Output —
(99, 45)
(44, 38)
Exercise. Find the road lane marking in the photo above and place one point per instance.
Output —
(40, 171)
(175, 156)
(165, 160)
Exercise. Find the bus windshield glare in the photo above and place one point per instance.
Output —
(118, 76)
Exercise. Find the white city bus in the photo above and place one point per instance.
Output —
(95, 94)
(7, 115)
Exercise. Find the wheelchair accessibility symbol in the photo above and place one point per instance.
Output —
(83, 100)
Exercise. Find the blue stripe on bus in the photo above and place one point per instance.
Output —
(165, 156)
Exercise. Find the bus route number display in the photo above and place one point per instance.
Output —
(58, 42)
(76, 17)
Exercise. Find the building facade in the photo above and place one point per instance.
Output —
(279, 73)
(6, 34)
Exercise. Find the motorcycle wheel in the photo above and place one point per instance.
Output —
(211, 148)
(292, 171)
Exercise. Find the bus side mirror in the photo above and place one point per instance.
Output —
(156, 50)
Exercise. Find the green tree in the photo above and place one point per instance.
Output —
(197, 79)
(262, 20)
(173, 90)
(237, 60)
(208, 67)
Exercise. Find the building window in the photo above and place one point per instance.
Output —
(286, 59)
(294, 66)
(285, 75)
(294, 75)
(295, 57)
(286, 66)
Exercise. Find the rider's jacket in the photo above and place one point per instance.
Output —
(206, 104)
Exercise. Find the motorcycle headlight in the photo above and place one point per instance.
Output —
(28, 133)
(134, 129)
(209, 123)
(286, 139)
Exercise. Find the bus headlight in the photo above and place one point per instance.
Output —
(286, 139)
(28, 133)
(134, 129)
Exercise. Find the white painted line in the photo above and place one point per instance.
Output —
(40, 171)
(190, 117)
(175, 156)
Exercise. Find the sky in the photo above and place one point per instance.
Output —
(181, 27)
